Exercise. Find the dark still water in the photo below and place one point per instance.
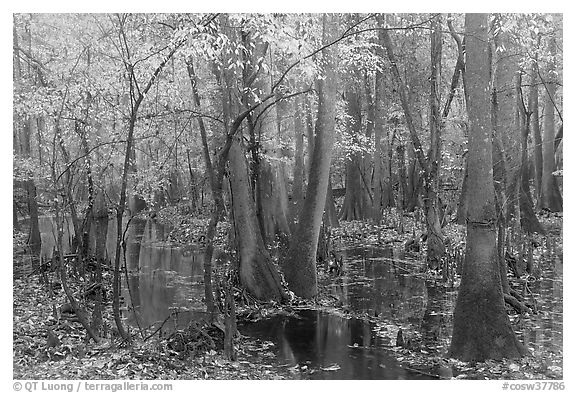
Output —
(163, 279)
(316, 345)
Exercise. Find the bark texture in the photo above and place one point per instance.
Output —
(298, 183)
(300, 263)
(356, 204)
(435, 240)
(257, 273)
(482, 329)
(536, 134)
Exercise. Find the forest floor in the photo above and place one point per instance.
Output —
(49, 345)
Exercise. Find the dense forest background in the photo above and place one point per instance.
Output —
(261, 133)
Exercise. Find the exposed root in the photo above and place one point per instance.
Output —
(520, 307)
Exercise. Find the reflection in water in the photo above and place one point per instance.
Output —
(320, 341)
(377, 282)
(49, 236)
(161, 277)
(381, 285)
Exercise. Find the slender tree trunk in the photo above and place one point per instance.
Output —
(436, 245)
(536, 135)
(482, 329)
(300, 264)
(499, 165)
(413, 179)
(458, 70)
(528, 220)
(435, 240)
(331, 217)
(216, 181)
(34, 239)
(381, 179)
(402, 188)
(136, 98)
(463, 199)
(15, 222)
(24, 148)
(100, 219)
(507, 127)
(369, 160)
(120, 229)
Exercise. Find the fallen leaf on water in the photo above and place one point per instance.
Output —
(332, 367)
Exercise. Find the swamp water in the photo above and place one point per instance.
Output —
(312, 344)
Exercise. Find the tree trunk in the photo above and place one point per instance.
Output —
(507, 120)
(435, 240)
(436, 246)
(272, 189)
(310, 136)
(23, 136)
(100, 220)
(382, 187)
(482, 329)
(34, 239)
(412, 180)
(330, 217)
(356, 205)
(550, 196)
(120, 228)
(330, 207)
(298, 184)
(216, 180)
(268, 174)
(528, 220)
(400, 153)
(257, 273)
(463, 199)
(300, 263)
(536, 135)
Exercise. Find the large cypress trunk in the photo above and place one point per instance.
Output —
(300, 263)
(482, 329)
(356, 205)
(257, 273)
(273, 201)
